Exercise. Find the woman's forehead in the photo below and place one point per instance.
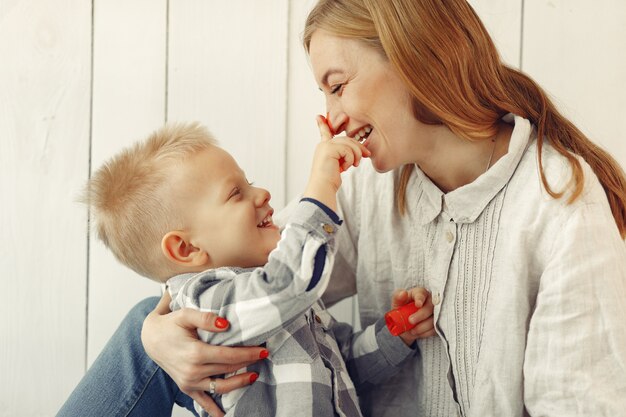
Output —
(332, 54)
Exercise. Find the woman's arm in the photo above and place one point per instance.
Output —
(171, 340)
(575, 359)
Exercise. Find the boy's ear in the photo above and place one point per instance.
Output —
(177, 248)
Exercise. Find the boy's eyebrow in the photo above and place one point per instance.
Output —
(230, 182)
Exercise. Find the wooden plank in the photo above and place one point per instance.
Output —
(228, 69)
(128, 103)
(576, 50)
(503, 20)
(305, 101)
(44, 142)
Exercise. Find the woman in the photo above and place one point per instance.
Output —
(479, 190)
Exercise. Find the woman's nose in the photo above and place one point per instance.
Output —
(338, 121)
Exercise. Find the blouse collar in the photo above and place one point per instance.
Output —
(465, 204)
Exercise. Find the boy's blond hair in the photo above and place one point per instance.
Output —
(129, 199)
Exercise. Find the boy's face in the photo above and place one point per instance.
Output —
(226, 216)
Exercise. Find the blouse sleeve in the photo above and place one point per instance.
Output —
(575, 359)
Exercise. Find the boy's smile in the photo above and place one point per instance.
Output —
(225, 215)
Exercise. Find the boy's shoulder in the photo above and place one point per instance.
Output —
(195, 282)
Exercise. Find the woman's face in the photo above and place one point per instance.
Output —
(363, 91)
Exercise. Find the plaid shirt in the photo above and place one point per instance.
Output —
(278, 305)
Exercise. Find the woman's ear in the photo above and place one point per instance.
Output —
(178, 249)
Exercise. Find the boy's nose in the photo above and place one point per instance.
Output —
(261, 197)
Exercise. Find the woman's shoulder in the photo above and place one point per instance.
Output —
(559, 174)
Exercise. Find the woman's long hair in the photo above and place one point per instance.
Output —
(448, 61)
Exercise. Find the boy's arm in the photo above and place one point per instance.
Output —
(260, 302)
(374, 355)
(332, 157)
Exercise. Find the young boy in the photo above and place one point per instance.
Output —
(178, 209)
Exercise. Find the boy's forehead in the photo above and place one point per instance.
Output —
(216, 165)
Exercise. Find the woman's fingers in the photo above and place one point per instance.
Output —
(193, 319)
(207, 403)
(235, 355)
(220, 386)
(163, 307)
(224, 385)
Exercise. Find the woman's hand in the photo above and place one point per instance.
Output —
(423, 317)
(171, 340)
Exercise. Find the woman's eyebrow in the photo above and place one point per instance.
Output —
(328, 73)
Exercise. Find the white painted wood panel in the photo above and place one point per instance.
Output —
(228, 70)
(237, 66)
(44, 153)
(503, 20)
(128, 104)
(576, 50)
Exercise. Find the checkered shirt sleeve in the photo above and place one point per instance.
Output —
(259, 302)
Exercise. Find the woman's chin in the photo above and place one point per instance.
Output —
(380, 166)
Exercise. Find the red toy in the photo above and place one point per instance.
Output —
(398, 319)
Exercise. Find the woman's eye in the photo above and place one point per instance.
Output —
(336, 88)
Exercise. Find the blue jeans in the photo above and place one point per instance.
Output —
(124, 381)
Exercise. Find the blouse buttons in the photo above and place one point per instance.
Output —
(318, 319)
(328, 228)
(436, 298)
(449, 236)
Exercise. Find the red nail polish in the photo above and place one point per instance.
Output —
(264, 354)
(253, 378)
(221, 323)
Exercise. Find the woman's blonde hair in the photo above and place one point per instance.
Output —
(447, 59)
(130, 197)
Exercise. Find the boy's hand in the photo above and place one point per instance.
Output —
(423, 317)
(332, 157)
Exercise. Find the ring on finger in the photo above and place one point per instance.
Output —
(212, 386)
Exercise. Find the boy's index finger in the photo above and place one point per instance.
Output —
(323, 126)
(330, 126)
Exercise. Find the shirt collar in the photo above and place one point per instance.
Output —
(465, 204)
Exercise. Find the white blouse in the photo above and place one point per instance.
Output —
(530, 292)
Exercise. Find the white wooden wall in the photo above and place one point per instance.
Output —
(80, 79)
